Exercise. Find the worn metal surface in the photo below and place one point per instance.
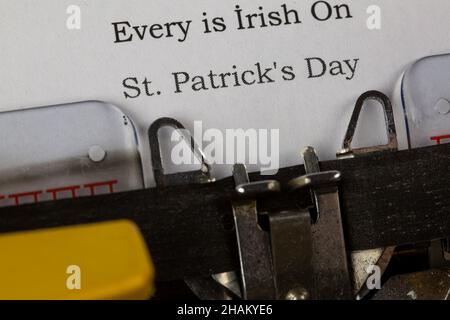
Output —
(253, 245)
(391, 131)
(427, 285)
(229, 280)
(208, 288)
(330, 260)
(291, 243)
(329, 257)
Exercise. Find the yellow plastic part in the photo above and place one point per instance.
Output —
(97, 261)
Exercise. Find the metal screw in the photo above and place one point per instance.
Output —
(96, 153)
(443, 106)
(298, 294)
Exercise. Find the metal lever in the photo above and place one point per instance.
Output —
(381, 257)
(200, 176)
(392, 145)
(205, 287)
(314, 179)
(280, 268)
(253, 243)
(329, 259)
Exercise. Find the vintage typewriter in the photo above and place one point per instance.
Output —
(78, 223)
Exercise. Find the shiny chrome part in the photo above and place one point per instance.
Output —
(253, 189)
(315, 179)
(392, 145)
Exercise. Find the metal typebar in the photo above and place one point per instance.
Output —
(291, 244)
(253, 244)
(386, 198)
(330, 257)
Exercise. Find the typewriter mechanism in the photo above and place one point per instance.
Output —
(372, 224)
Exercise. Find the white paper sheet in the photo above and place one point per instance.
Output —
(42, 62)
